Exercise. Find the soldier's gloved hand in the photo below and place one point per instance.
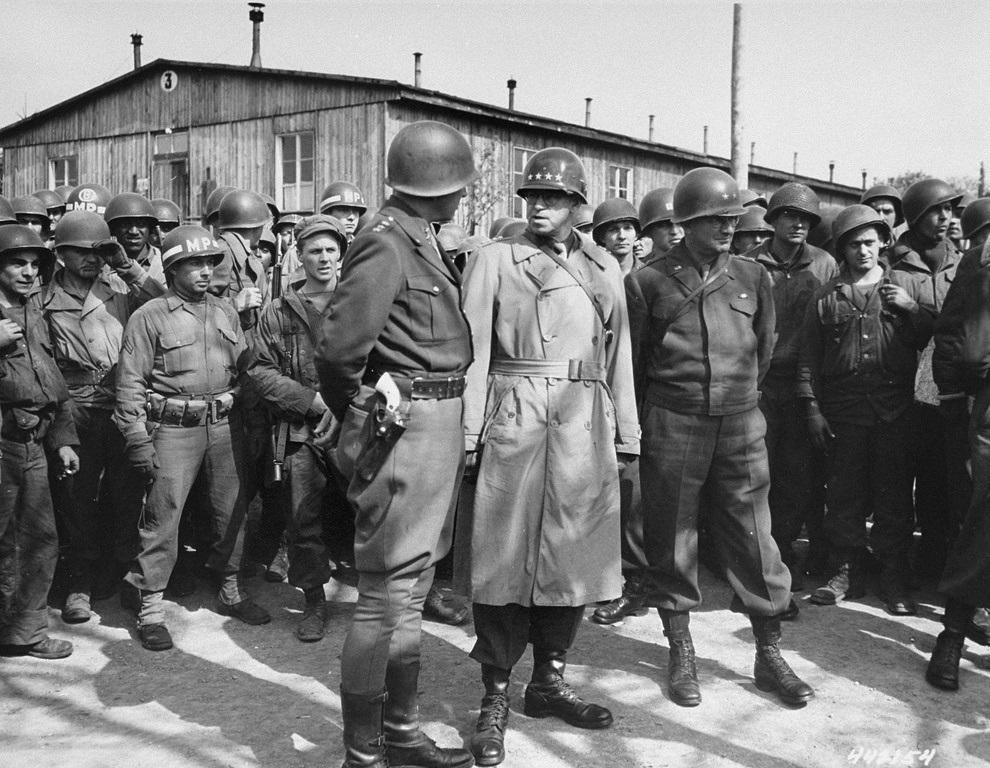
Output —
(112, 253)
(247, 299)
(819, 432)
(141, 454)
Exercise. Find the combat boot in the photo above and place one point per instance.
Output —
(631, 603)
(770, 670)
(682, 673)
(488, 741)
(435, 609)
(77, 602)
(405, 743)
(943, 667)
(364, 740)
(846, 582)
(549, 694)
(313, 625)
(893, 585)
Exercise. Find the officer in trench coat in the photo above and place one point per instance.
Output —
(548, 406)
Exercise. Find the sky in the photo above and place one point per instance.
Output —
(887, 86)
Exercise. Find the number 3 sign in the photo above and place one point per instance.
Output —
(169, 81)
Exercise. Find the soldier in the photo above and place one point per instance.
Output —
(584, 218)
(975, 222)
(960, 364)
(796, 270)
(31, 212)
(36, 419)
(551, 342)
(88, 197)
(212, 208)
(396, 311)
(131, 218)
(615, 227)
(751, 232)
(180, 360)
(86, 308)
(656, 210)
(285, 376)
(750, 198)
(886, 200)
(941, 481)
(53, 202)
(168, 215)
(343, 201)
(703, 325)
(861, 337)
(6, 212)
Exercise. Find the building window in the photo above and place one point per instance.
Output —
(294, 170)
(520, 156)
(171, 144)
(619, 181)
(63, 171)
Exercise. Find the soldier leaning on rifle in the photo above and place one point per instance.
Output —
(859, 352)
(702, 325)
(180, 361)
(86, 306)
(285, 375)
(35, 417)
(797, 269)
(397, 311)
(941, 481)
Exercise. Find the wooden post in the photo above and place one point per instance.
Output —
(740, 168)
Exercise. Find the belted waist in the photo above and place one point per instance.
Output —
(574, 370)
(79, 377)
(421, 387)
(189, 411)
(25, 425)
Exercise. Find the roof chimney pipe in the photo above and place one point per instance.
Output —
(512, 93)
(417, 69)
(257, 16)
(136, 42)
(652, 118)
(587, 112)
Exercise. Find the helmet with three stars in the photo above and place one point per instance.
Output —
(555, 169)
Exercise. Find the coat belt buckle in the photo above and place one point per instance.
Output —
(214, 411)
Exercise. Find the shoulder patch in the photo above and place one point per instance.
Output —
(383, 225)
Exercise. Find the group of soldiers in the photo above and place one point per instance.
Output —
(622, 390)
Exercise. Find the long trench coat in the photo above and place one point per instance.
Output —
(546, 510)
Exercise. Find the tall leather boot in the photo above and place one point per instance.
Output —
(363, 738)
(682, 673)
(549, 694)
(405, 743)
(771, 672)
(943, 667)
(488, 741)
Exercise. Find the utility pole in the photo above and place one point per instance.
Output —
(740, 168)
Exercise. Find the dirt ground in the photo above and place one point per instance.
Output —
(234, 695)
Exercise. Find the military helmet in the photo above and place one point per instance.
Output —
(63, 191)
(753, 221)
(267, 237)
(50, 199)
(20, 237)
(288, 220)
(926, 194)
(130, 205)
(6, 212)
(29, 205)
(966, 200)
(88, 197)
(584, 215)
(750, 198)
(501, 221)
(856, 217)
(612, 211)
(429, 159)
(796, 197)
(187, 242)
(81, 229)
(975, 217)
(450, 236)
(273, 210)
(656, 207)
(881, 191)
(242, 209)
(555, 169)
(166, 212)
(342, 194)
(706, 192)
(213, 204)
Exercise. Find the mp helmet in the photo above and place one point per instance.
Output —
(342, 194)
(188, 242)
(555, 169)
(429, 159)
(706, 192)
(88, 197)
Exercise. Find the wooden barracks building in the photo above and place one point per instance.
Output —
(177, 129)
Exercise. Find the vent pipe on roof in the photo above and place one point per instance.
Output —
(587, 112)
(652, 117)
(512, 93)
(794, 171)
(831, 171)
(257, 16)
(417, 69)
(136, 42)
(704, 140)
(752, 152)
(864, 179)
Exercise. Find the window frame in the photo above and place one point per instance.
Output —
(612, 182)
(301, 201)
(72, 163)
